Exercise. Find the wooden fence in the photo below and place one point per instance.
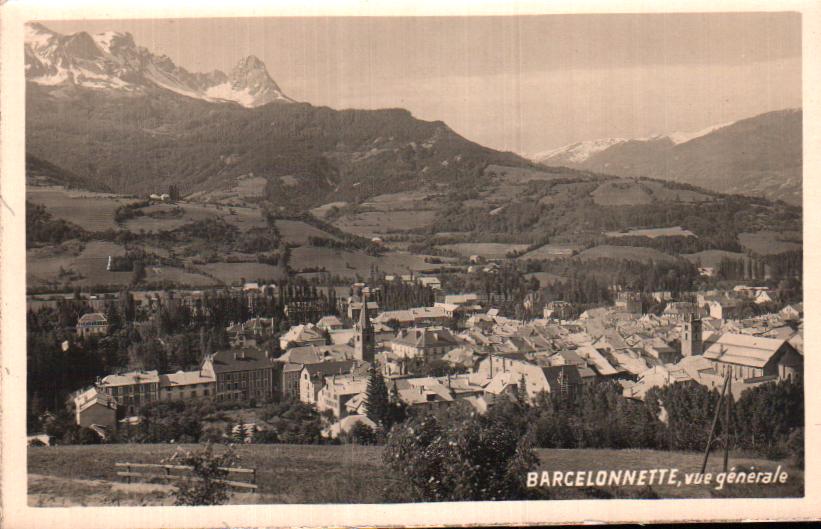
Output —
(148, 471)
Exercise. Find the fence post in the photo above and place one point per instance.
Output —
(254, 476)
(128, 470)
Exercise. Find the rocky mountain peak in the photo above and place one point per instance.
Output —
(112, 61)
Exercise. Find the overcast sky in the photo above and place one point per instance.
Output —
(524, 84)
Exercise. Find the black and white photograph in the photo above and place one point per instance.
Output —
(275, 260)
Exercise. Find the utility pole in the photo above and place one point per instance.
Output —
(715, 423)
(727, 420)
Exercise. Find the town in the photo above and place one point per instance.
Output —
(457, 348)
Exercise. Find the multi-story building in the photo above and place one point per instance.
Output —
(132, 390)
(312, 377)
(424, 344)
(338, 390)
(186, 385)
(241, 374)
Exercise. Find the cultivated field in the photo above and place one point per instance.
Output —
(488, 250)
(519, 175)
(546, 278)
(245, 187)
(349, 264)
(621, 193)
(297, 232)
(158, 217)
(233, 272)
(712, 258)
(85, 475)
(770, 242)
(551, 251)
(87, 267)
(673, 231)
(89, 210)
(633, 193)
(322, 211)
(374, 223)
(627, 253)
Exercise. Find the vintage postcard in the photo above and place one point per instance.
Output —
(408, 264)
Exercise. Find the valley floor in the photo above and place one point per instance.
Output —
(85, 475)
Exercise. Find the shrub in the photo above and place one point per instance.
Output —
(362, 434)
(205, 485)
(795, 446)
(467, 457)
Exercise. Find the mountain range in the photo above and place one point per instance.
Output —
(116, 116)
(112, 61)
(112, 113)
(759, 156)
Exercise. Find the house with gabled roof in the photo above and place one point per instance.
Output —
(338, 390)
(425, 343)
(92, 323)
(312, 376)
(422, 392)
(300, 335)
(598, 362)
(753, 358)
(793, 311)
(94, 406)
(329, 323)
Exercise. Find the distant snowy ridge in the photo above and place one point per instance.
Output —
(580, 152)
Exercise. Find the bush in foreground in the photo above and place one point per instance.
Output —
(468, 457)
(206, 485)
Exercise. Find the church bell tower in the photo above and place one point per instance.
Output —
(364, 340)
(691, 339)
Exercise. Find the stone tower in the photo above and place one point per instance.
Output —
(364, 341)
(691, 339)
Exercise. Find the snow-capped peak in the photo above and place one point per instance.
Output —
(577, 152)
(112, 61)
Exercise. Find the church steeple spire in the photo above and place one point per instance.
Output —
(364, 340)
(364, 317)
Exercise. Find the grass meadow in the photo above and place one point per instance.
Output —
(85, 475)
